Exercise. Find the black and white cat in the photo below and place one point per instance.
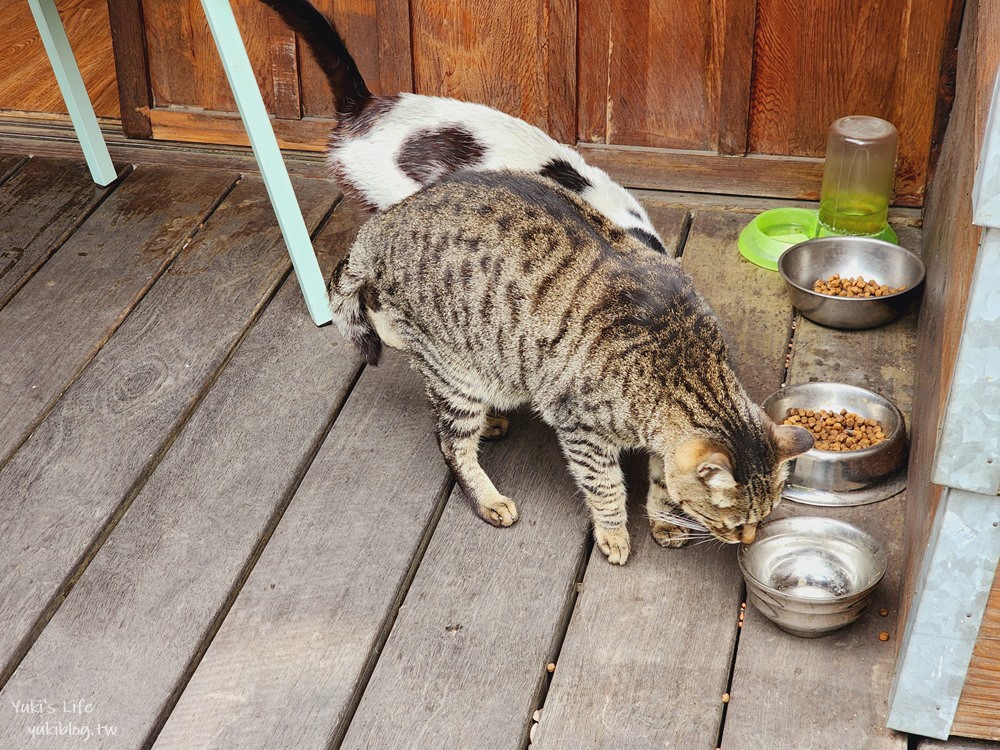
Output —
(385, 148)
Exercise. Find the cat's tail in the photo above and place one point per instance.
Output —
(321, 36)
(346, 299)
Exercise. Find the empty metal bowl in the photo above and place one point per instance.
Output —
(811, 575)
(821, 258)
(819, 477)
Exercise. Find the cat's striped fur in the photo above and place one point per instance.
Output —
(507, 290)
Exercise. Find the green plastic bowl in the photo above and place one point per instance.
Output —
(771, 232)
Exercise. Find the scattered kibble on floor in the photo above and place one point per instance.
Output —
(884, 612)
(550, 667)
(725, 697)
(837, 431)
(883, 636)
(853, 287)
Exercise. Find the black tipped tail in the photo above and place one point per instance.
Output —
(350, 92)
(346, 291)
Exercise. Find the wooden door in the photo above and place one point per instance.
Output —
(661, 93)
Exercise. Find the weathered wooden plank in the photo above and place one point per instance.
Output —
(39, 208)
(465, 661)
(647, 655)
(978, 713)
(286, 667)
(131, 66)
(10, 164)
(67, 482)
(158, 587)
(834, 689)
(66, 312)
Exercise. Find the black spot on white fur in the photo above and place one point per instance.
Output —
(429, 155)
(562, 171)
(647, 238)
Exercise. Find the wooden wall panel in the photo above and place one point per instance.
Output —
(650, 72)
(356, 21)
(816, 62)
(951, 245)
(511, 58)
(978, 713)
(26, 79)
(184, 65)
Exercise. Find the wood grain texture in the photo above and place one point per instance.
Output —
(395, 46)
(751, 303)
(69, 308)
(66, 484)
(650, 72)
(652, 674)
(465, 661)
(184, 65)
(358, 25)
(978, 713)
(806, 76)
(168, 571)
(785, 688)
(39, 208)
(951, 244)
(11, 164)
(45, 137)
(128, 37)
(26, 78)
(192, 125)
(293, 654)
(485, 53)
(737, 65)
(700, 172)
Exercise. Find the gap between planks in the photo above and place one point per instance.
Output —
(137, 485)
(85, 361)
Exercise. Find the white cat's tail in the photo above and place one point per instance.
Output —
(347, 293)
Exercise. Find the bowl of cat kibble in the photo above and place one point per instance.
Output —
(860, 449)
(850, 282)
(811, 575)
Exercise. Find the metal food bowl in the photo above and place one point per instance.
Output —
(821, 258)
(810, 575)
(859, 477)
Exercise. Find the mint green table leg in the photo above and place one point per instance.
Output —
(74, 93)
(272, 168)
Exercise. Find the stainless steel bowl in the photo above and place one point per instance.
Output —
(885, 262)
(811, 575)
(858, 477)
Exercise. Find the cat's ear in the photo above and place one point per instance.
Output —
(713, 466)
(790, 441)
(716, 471)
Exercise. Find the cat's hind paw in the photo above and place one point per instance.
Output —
(500, 512)
(614, 543)
(496, 427)
(667, 534)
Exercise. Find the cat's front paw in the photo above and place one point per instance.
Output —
(496, 427)
(499, 512)
(667, 534)
(614, 543)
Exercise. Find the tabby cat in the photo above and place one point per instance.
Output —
(385, 148)
(507, 290)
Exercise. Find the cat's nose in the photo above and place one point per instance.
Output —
(748, 533)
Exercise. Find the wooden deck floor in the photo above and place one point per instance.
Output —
(219, 530)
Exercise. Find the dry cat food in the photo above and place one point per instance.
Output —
(837, 431)
(858, 286)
